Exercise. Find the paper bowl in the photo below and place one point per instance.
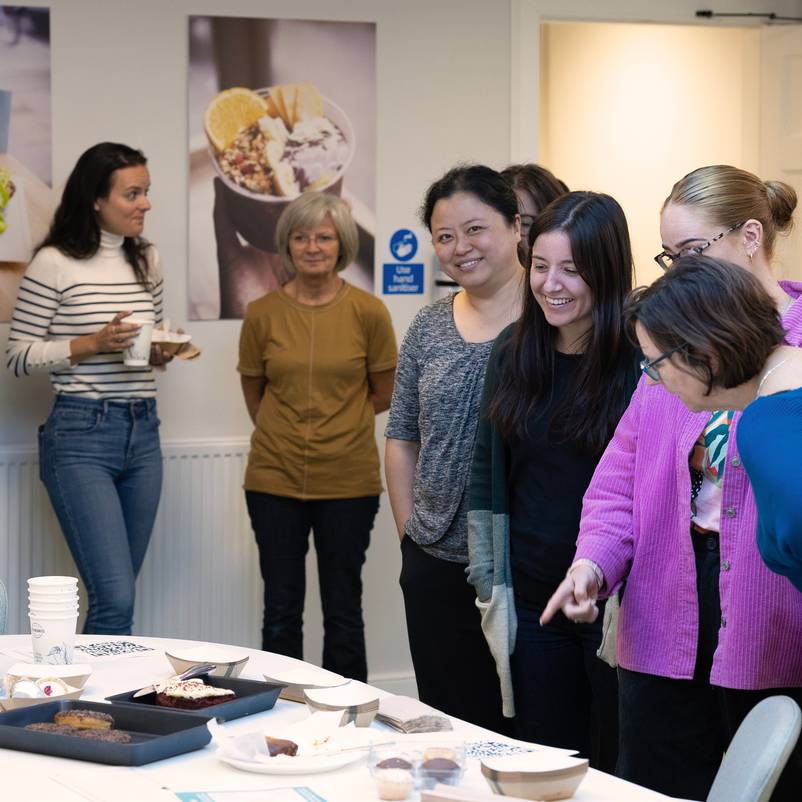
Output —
(255, 214)
(302, 677)
(229, 661)
(535, 775)
(15, 704)
(359, 702)
(74, 674)
(170, 341)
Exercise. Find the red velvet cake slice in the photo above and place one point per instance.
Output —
(191, 694)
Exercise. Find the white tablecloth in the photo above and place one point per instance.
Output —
(41, 778)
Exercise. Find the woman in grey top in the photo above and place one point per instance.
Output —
(472, 214)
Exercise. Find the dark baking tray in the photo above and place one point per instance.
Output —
(253, 696)
(155, 734)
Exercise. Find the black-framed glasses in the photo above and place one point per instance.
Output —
(649, 366)
(666, 259)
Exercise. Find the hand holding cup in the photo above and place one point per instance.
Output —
(116, 335)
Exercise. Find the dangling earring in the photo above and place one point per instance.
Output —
(750, 253)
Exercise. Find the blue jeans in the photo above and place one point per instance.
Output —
(101, 463)
(341, 529)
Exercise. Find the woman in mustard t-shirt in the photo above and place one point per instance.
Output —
(317, 361)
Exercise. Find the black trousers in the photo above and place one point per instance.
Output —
(674, 732)
(341, 530)
(454, 669)
(565, 696)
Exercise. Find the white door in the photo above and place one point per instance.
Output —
(781, 128)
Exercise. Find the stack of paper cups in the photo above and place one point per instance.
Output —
(53, 610)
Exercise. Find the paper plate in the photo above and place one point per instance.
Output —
(75, 674)
(312, 764)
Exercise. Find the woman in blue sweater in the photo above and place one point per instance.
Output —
(712, 336)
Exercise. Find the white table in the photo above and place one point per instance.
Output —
(25, 776)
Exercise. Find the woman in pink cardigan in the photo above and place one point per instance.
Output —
(706, 630)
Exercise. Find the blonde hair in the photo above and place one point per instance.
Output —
(307, 211)
(729, 196)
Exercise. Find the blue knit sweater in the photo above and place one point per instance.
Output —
(770, 444)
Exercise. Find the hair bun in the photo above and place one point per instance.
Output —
(782, 202)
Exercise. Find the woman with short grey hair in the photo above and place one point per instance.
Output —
(317, 360)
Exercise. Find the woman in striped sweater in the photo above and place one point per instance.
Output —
(99, 450)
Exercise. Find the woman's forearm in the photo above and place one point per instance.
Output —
(253, 388)
(400, 459)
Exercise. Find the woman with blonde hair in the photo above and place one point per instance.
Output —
(706, 629)
(317, 360)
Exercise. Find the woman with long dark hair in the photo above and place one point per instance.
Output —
(99, 450)
(558, 380)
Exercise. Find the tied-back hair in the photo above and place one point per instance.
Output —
(717, 315)
(75, 230)
(729, 196)
(597, 231)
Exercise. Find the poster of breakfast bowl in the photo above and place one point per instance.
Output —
(26, 198)
(277, 108)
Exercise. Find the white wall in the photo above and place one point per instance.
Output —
(119, 73)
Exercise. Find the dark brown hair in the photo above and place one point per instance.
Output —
(597, 230)
(717, 314)
(475, 179)
(542, 185)
(75, 230)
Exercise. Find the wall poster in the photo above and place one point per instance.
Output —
(26, 198)
(276, 107)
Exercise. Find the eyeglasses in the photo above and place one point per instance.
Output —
(666, 259)
(649, 366)
(321, 240)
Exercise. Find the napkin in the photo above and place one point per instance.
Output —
(318, 735)
(408, 715)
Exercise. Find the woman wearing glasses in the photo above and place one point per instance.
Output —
(317, 358)
(706, 630)
(557, 384)
(535, 187)
(739, 362)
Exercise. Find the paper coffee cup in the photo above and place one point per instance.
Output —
(52, 584)
(137, 354)
(53, 637)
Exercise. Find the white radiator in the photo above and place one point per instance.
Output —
(201, 577)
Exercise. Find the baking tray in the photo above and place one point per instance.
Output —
(155, 734)
(253, 696)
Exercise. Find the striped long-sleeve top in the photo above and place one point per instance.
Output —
(636, 521)
(61, 298)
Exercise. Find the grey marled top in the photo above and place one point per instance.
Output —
(438, 387)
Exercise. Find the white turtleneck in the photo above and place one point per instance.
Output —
(61, 298)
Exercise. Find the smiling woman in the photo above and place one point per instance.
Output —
(99, 449)
(472, 214)
(317, 359)
(536, 450)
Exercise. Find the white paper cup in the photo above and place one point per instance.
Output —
(52, 584)
(53, 638)
(52, 609)
(137, 354)
(53, 598)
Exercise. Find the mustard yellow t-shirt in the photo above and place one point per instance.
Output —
(314, 435)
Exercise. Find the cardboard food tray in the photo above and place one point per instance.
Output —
(252, 697)
(155, 734)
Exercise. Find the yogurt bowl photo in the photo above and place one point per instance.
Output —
(269, 145)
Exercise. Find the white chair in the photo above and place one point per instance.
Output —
(758, 752)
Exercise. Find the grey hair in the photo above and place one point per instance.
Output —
(308, 210)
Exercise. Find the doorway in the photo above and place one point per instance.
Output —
(628, 109)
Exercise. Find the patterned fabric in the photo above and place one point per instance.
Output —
(706, 462)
